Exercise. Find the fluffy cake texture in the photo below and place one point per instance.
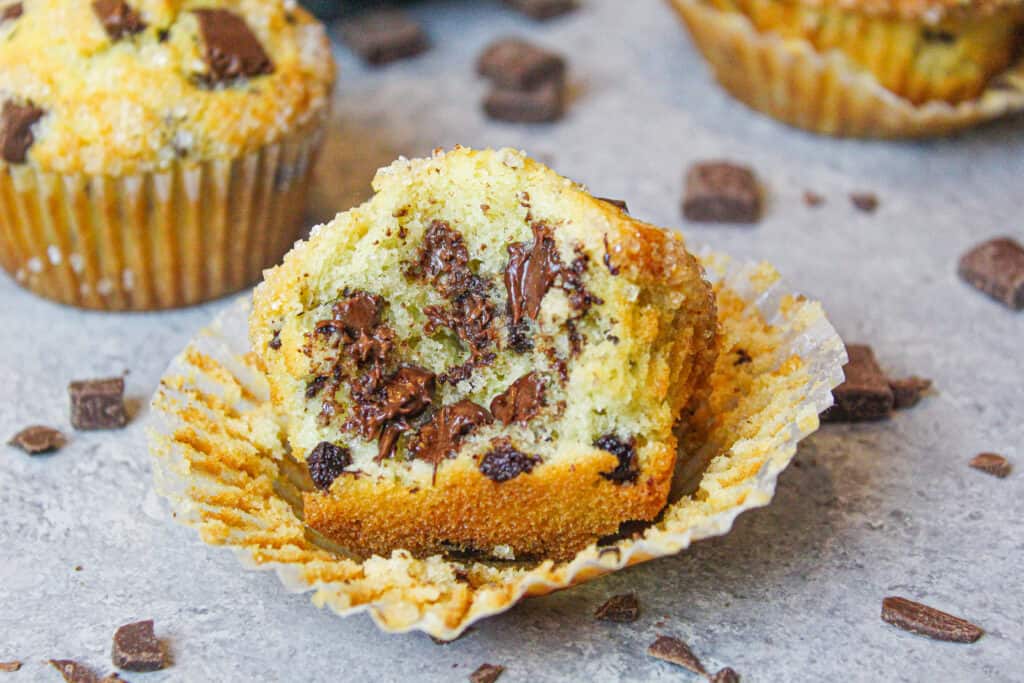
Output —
(484, 359)
(126, 87)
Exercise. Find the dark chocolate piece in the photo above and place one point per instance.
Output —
(530, 273)
(486, 673)
(326, 462)
(11, 12)
(441, 437)
(136, 648)
(992, 463)
(616, 202)
(9, 667)
(676, 651)
(907, 391)
(996, 267)
(543, 104)
(864, 201)
(119, 19)
(385, 36)
(230, 48)
(543, 9)
(16, 136)
(515, 64)
(813, 200)
(73, 672)
(928, 621)
(721, 192)
(521, 402)
(38, 439)
(622, 609)
(382, 408)
(866, 394)
(503, 462)
(275, 341)
(443, 262)
(626, 471)
(726, 675)
(98, 404)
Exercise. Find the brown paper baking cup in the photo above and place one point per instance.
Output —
(220, 460)
(193, 232)
(824, 92)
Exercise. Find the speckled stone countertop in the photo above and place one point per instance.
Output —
(792, 594)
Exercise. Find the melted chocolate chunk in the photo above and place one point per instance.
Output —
(118, 18)
(441, 437)
(230, 48)
(326, 463)
(16, 136)
(625, 451)
(470, 316)
(11, 12)
(521, 402)
(405, 394)
(519, 336)
(531, 271)
(503, 462)
(444, 262)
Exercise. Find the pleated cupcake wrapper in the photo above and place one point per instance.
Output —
(221, 462)
(824, 92)
(191, 233)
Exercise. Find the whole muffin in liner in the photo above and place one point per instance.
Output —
(840, 89)
(220, 460)
(152, 156)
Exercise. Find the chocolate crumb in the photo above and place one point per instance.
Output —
(865, 201)
(9, 667)
(996, 267)
(38, 439)
(865, 394)
(622, 609)
(275, 341)
(677, 652)
(136, 648)
(928, 621)
(503, 462)
(992, 463)
(726, 675)
(543, 9)
(626, 471)
(119, 19)
(721, 192)
(326, 463)
(73, 672)
(16, 137)
(742, 357)
(384, 36)
(11, 12)
(813, 199)
(907, 392)
(486, 673)
(98, 404)
(521, 402)
(230, 49)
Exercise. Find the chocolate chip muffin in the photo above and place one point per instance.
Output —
(484, 359)
(154, 153)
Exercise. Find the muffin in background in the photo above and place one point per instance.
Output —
(872, 68)
(155, 154)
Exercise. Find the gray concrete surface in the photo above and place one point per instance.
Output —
(793, 594)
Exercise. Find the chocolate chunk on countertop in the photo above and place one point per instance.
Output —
(119, 19)
(996, 267)
(486, 673)
(8, 667)
(928, 621)
(992, 463)
(907, 391)
(16, 137)
(230, 49)
(516, 64)
(73, 672)
(384, 36)
(136, 648)
(543, 9)
(38, 439)
(677, 652)
(865, 394)
(864, 201)
(543, 104)
(621, 609)
(726, 675)
(98, 404)
(721, 192)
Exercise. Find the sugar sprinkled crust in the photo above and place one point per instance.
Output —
(620, 340)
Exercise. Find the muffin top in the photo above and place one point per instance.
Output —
(108, 87)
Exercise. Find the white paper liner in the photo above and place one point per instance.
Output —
(219, 459)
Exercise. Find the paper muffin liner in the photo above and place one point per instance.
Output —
(824, 92)
(193, 232)
(221, 461)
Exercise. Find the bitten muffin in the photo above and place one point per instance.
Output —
(484, 359)
(155, 153)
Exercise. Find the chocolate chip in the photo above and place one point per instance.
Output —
(866, 394)
(230, 48)
(726, 675)
(530, 273)
(864, 201)
(11, 12)
(543, 9)
(813, 199)
(543, 104)
(996, 267)
(443, 262)
(118, 18)
(721, 192)
(622, 609)
(16, 136)
(742, 357)
(73, 672)
(9, 667)
(515, 64)
(275, 341)
(521, 402)
(326, 462)
(382, 408)
(441, 437)
(136, 648)
(98, 404)
(38, 439)
(992, 463)
(928, 621)
(615, 202)
(486, 673)
(907, 391)
(385, 36)
(626, 471)
(503, 462)
(676, 651)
